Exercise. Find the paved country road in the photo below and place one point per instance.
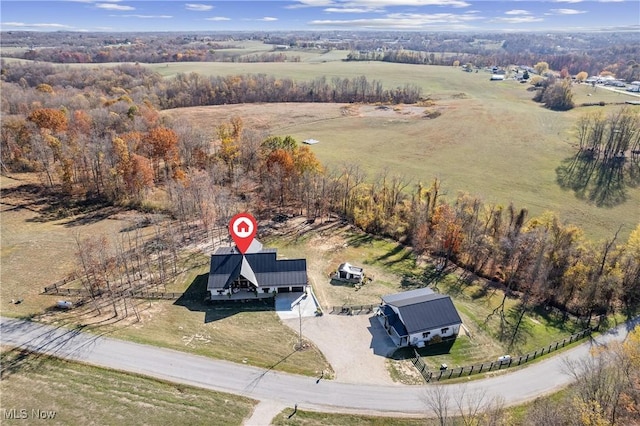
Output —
(267, 385)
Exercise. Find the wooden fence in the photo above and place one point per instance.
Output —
(55, 289)
(353, 309)
(495, 365)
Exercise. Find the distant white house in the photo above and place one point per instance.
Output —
(497, 77)
(310, 141)
(414, 317)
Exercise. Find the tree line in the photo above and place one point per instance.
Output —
(590, 52)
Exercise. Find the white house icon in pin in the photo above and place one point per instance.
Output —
(243, 227)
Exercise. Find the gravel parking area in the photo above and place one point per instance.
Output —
(355, 346)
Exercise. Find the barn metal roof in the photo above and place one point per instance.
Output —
(261, 268)
(422, 310)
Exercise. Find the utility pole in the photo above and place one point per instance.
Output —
(300, 321)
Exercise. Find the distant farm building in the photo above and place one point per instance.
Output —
(256, 274)
(417, 316)
(497, 77)
(311, 141)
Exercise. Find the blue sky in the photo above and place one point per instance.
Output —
(265, 15)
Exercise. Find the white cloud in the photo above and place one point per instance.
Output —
(145, 16)
(112, 6)
(267, 19)
(375, 4)
(196, 7)
(519, 20)
(568, 1)
(567, 11)
(352, 10)
(407, 21)
(218, 18)
(24, 25)
(518, 12)
(387, 3)
(310, 3)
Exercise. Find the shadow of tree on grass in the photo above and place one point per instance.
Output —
(603, 182)
(194, 300)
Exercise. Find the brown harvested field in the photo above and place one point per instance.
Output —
(38, 248)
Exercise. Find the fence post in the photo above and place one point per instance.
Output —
(527, 358)
(471, 371)
(481, 367)
(450, 373)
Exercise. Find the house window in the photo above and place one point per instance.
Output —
(426, 334)
(444, 330)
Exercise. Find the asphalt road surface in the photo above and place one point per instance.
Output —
(267, 385)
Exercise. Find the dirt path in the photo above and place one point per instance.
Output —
(263, 413)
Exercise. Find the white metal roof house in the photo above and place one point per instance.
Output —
(414, 317)
(256, 274)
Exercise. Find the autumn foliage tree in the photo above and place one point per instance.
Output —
(161, 144)
(52, 119)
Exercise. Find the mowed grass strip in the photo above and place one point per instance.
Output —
(80, 394)
(244, 333)
(313, 418)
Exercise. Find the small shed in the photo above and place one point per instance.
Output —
(348, 272)
(310, 141)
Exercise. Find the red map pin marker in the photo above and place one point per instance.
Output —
(242, 228)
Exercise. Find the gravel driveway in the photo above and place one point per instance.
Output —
(355, 346)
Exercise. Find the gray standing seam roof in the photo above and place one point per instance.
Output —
(270, 272)
(426, 312)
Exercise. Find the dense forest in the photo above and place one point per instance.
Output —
(97, 134)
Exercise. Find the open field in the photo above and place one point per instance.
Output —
(38, 248)
(490, 140)
(79, 394)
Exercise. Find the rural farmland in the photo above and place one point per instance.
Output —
(261, 228)
(490, 139)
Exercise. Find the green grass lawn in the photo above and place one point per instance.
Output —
(80, 394)
(224, 330)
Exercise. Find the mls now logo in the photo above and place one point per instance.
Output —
(23, 414)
